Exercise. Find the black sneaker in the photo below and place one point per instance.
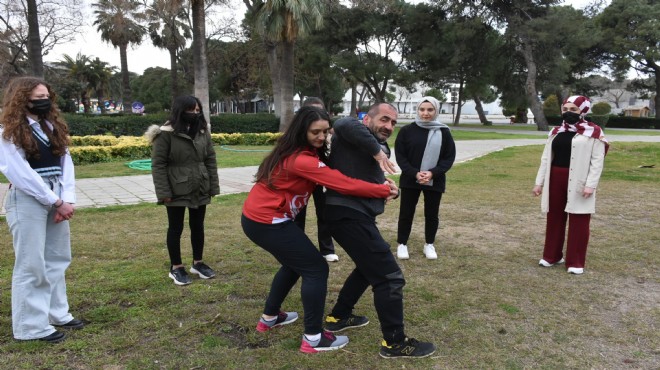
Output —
(74, 324)
(201, 269)
(180, 276)
(55, 337)
(408, 348)
(333, 324)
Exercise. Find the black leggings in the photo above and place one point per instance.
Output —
(175, 216)
(299, 258)
(409, 199)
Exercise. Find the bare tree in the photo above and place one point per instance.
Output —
(32, 28)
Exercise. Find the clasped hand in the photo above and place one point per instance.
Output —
(394, 190)
(423, 177)
(64, 212)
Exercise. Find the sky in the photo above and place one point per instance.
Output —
(146, 55)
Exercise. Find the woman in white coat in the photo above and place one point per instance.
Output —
(570, 170)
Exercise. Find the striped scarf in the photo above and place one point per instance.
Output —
(585, 128)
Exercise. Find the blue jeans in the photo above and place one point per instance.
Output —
(43, 253)
(299, 258)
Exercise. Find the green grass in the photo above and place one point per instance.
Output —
(519, 127)
(484, 302)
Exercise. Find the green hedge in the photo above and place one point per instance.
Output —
(136, 125)
(599, 120)
(633, 122)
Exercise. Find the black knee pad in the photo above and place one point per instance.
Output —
(395, 283)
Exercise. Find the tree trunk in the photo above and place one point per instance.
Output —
(200, 65)
(530, 88)
(654, 111)
(85, 102)
(353, 112)
(174, 74)
(274, 69)
(480, 110)
(34, 40)
(286, 85)
(458, 102)
(127, 100)
(99, 98)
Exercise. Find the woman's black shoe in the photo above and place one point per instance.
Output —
(73, 324)
(57, 336)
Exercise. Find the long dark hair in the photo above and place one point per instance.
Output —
(14, 122)
(294, 139)
(179, 106)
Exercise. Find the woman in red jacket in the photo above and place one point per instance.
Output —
(284, 182)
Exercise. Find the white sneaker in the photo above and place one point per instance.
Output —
(545, 263)
(331, 257)
(429, 252)
(575, 270)
(402, 252)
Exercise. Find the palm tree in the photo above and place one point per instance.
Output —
(168, 29)
(280, 23)
(119, 23)
(78, 70)
(34, 40)
(200, 65)
(98, 77)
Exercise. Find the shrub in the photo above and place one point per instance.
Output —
(601, 108)
(153, 108)
(93, 149)
(135, 125)
(633, 122)
(551, 106)
(554, 120)
(599, 119)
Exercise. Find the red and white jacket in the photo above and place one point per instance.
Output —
(294, 180)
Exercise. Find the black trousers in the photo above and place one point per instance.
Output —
(299, 258)
(408, 204)
(175, 217)
(375, 266)
(325, 239)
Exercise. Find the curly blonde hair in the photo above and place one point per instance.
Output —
(13, 118)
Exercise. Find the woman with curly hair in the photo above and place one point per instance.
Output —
(35, 159)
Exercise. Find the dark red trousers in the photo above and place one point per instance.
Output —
(578, 224)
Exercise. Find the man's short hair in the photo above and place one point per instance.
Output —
(375, 109)
(312, 100)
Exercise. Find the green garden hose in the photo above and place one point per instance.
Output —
(140, 164)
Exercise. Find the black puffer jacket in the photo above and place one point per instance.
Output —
(183, 169)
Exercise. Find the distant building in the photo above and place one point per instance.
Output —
(636, 112)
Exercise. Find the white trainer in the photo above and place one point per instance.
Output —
(331, 257)
(429, 252)
(575, 270)
(545, 263)
(402, 252)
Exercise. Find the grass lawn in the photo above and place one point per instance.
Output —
(484, 302)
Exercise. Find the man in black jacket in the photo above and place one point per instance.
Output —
(360, 150)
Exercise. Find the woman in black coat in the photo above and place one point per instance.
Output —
(425, 151)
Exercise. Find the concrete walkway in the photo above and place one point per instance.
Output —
(124, 190)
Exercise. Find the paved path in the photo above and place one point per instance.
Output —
(120, 190)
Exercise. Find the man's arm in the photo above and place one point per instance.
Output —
(356, 134)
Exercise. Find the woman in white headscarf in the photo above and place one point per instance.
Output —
(425, 151)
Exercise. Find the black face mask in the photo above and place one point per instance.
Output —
(571, 117)
(191, 118)
(39, 107)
